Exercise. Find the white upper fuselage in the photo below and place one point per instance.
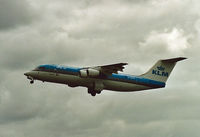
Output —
(71, 76)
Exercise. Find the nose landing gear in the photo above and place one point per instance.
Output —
(32, 80)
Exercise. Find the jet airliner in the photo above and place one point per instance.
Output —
(105, 77)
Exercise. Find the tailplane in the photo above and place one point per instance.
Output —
(162, 69)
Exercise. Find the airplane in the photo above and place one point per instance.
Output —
(105, 77)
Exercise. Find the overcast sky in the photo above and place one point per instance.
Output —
(97, 32)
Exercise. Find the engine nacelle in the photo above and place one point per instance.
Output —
(89, 73)
(93, 72)
(83, 73)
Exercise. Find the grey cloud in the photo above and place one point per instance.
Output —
(85, 33)
(15, 13)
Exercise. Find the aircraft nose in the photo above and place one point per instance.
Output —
(27, 73)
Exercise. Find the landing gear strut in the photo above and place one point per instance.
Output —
(31, 78)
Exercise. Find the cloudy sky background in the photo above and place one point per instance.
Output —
(96, 32)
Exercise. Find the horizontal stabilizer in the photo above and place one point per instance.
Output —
(174, 59)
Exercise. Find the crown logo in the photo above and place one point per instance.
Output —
(160, 68)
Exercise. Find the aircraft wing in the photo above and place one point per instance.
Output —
(112, 68)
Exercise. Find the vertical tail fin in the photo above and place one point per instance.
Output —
(162, 69)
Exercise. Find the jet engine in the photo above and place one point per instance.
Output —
(89, 72)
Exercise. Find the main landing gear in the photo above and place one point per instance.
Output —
(93, 92)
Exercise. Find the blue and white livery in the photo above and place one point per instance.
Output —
(105, 77)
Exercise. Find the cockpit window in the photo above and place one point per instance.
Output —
(39, 68)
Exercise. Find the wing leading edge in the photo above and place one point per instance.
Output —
(112, 68)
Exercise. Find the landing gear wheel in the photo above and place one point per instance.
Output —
(90, 91)
(93, 93)
(32, 81)
(98, 92)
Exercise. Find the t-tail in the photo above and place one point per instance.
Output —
(162, 69)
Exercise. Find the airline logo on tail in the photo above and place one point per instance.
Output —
(160, 71)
